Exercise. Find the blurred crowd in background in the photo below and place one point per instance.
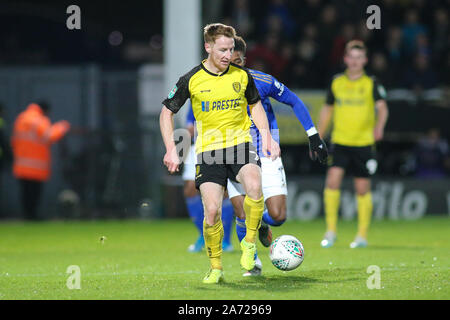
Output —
(302, 42)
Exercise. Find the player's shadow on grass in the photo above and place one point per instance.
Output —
(271, 283)
(286, 282)
(275, 283)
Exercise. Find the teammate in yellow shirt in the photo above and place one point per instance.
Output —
(220, 92)
(357, 107)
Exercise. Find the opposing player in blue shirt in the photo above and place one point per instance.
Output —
(273, 176)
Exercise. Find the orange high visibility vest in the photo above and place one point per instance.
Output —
(32, 137)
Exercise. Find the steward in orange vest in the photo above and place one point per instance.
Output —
(33, 134)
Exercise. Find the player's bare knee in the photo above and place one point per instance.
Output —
(254, 193)
(253, 189)
(334, 178)
(212, 215)
(333, 183)
(362, 186)
(362, 189)
(278, 214)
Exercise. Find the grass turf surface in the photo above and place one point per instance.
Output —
(149, 260)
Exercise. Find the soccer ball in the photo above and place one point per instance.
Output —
(286, 252)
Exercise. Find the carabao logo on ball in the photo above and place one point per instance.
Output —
(286, 253)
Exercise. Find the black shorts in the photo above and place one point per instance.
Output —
(358, 161)
(220, 165)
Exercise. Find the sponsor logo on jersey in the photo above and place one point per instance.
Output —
(350, 102)
(220, 105)
(205, 106)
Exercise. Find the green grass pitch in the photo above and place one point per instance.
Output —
(149, 260)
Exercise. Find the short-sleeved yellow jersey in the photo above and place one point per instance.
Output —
(219, 103)
(354, 112)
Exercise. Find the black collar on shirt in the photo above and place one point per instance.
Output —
(214, 74)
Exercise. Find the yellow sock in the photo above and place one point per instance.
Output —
(364, 213)
(253, 214)
(331, 199)
(213, 243)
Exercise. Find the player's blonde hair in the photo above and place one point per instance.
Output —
(214, 30)
(355, 44)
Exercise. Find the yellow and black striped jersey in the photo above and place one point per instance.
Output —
(354, 109)
(219, 103)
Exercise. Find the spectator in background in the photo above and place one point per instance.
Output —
(391, 10)
(306, 69)
(268, 53)
(445, 72)
(445, 78)
(440, 35)
(422, 45)
(304, 73)
(274, 25)
(351, 10)
(298, 76)
(287, 59)
(310, 31)
(424, 9)
(238, 15)
(432, 157)
(328, 21)
(380, 69)
(346, 34)
(33, 134)
(241, 17)
(410, 29)
(394, 45)
(279, 9)
(362, 32)
(374, 39)
(421, 76)
(327, 31)
(309, 12)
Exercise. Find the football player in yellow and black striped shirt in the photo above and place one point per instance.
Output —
(220, 92)
(357, 107)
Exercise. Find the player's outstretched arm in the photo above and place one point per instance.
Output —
(171, 159)
(318, 148)
(270, 147)
(281, 93)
